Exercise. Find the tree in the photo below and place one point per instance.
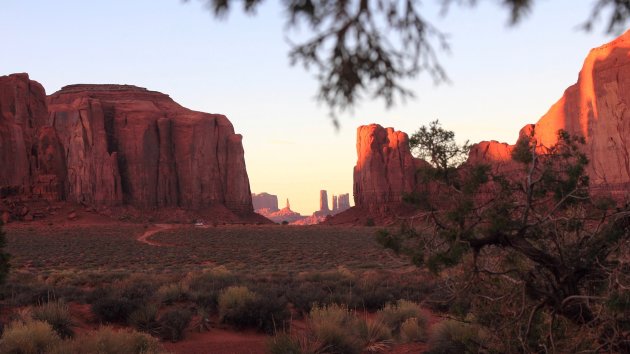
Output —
(368, 47)
(437, 146)
(535, 260)
(4, 257)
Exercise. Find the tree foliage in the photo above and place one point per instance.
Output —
(4, 257)
(367, 48)
(437, 146)
(538, 260)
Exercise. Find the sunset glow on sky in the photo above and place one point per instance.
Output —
(501, 77)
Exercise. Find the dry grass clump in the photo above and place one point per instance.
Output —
(334, 326)
(395, 314)
(107, 340)
(451, 336)
(31, 337)
(57, 314)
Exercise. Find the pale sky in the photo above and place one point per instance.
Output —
(501, 77)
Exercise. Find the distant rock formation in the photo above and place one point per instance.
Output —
(343, 202)
(265, 201)
(117, 145)
(279, 216)
(597, 108)
(323, 201)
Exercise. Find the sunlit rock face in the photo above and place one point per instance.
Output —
(128, 145)
(597, 108)
(385, 169)
(31, 159)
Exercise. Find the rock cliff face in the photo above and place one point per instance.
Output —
(30, 155)
(128, 145)
(112, 145)
(385, 168)
(597, 107)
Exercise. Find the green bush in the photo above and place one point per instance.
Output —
(173, 324)
(107, 340)
(33, 337)
(57, 314)
(234, 304)
(204, 288)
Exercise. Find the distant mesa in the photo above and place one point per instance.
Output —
(268, 207)
(114, 146)
(265, 201)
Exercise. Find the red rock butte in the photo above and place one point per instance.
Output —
(113, 145)
(596, 108)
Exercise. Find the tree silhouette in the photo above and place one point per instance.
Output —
(531, 257)
(364, 48)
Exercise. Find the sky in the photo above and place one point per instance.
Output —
(501, 77)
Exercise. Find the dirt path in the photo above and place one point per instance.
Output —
(144, 238)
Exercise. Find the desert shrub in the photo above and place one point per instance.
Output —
(137, 289)
(56, 314)
(109, 341)
(112, 309)
(334, 327)
(305, 295)
(204, 288)
(374, 335)
(393, 315)
(24, 294)
(234, 304)
(172, 293)
(173, 324)
(413, 330)
(284, 344)
(33, 337)
(454, 337)
(295, 344)
(389, 240)
(144, 319)
(374, 298)
(211, 280)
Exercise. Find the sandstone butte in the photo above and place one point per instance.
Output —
(385, 169)
(596, 107)
(117, 145)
